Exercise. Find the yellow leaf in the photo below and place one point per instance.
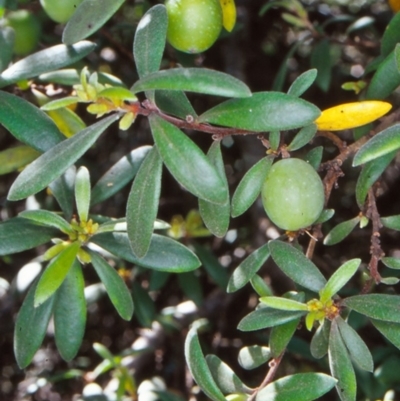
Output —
(395, 5)
(351, 115)
(228, 14)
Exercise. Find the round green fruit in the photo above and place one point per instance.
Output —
(60, 10)
(293, 194)
(193, 25)
(27, 31)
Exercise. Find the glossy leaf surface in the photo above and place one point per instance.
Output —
(200, 80)
(296, 266)
(49, 59)
(303, 137)
(391, 36)
(175, 103)
(70, 313)
(49, 219)
(320, 341)
(216, 217)
(253, 356)
(198, 367)
(115, 286)
(381, 144)
(119, 175)
(264, 111)
(392, 222)
(164, 253)
(143, 200)
(56, 161)
(63, 190)
(283, 304)
(393, 263)
(82, 193)
(89, 16)
(27, 123)
(30, 328)
(187, 163)
(248, 268)
(341, 231)
(250, 186)
(302, 82)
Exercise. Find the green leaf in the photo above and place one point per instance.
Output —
(248, 268)
(63, 190)
(369, 174)
(18, 234)
(56, 161)
(260, 286)
(325, 215)
(70, 313)
(339, 279)
(49, 219)
(391, 36)
(274, 139)
(7, 36)
(392, 222)
(55, 273)
(225, 377)
(30, 328)
(385, 80)
(189, 283)
(320, 341)
(27, 123)
(149, 42)
(60, 103)
(321, 61)
(250, 186)
(303, 137)
(119, 175)
(302, 82)
(397, 57)
(82, 193)
(314, 157)
(198, 367)
(142, 206)
(298, 387)
(357, 348)
(265, 317)
(264, 111)
(296, 266)
(283, 304)
(164, 253)
(377, 306)
(340, 365)
(187, 163)
(392, 263)
(89, 16)
(381, 144)
(145, 310)
(175, 103)
(253, 356)
(391, 331)
(216, 217)
(49, 59)
(15, 158)
(115, 286)
(341, 231)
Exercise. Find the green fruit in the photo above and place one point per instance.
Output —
(27, 31)
(60, 10)
(193, 25)
(293, 194)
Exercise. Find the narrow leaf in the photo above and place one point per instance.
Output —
(320, 341)
(115, 286)
(56, 161)
(248, 268)
(253, 356)
(70, 313)
(18, 234)
(175, 103)
(55, 273)
(340, 365)
(28, 123)
(164, 253)
(216, 217)
(15, 158)
(302, 82)
(46, 60)
(82, 193)
(145, 309)
(298, 387)
(281, 335)
(264, 111)
(119, 175)
(377, 306)
(339, 279)
(357, 348)
(89, 16)
(303, 137)
(198, 367)
(392, 222)
(341, 231)
(187, 163)
(296, 266)
(283, 304)
(49, 219)
(392, 263)
(250, 186)
(7, 37)
(314, 157)
(200, 80)
(381, 144)
(30, 328)
(391, 36)
(143, 203)
(321, 61)
(391, 331)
